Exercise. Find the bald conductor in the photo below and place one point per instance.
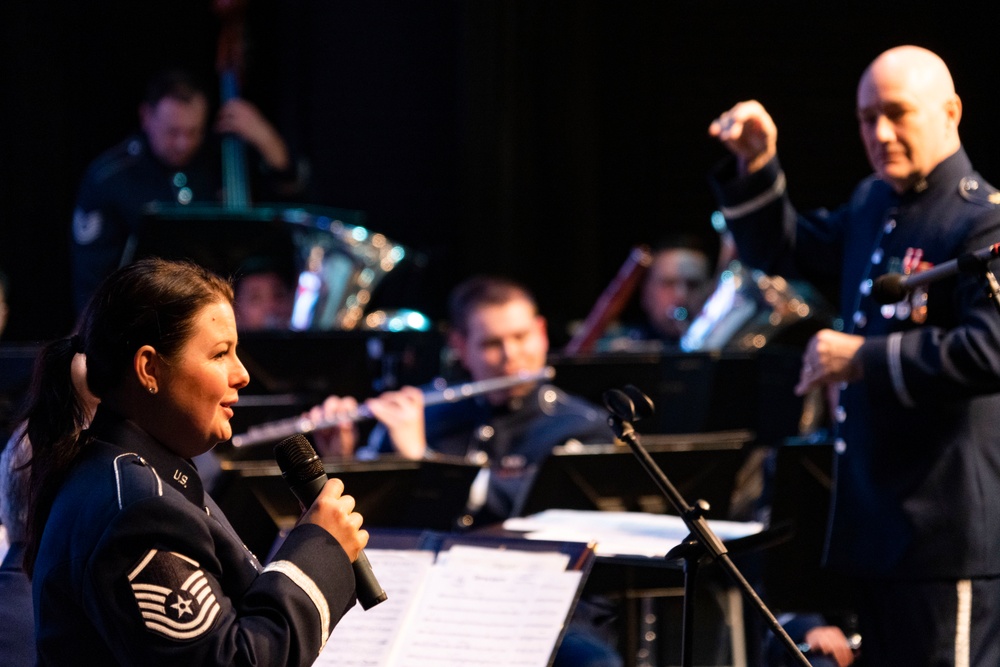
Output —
(915, 518)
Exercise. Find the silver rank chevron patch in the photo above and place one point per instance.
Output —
(175, 597)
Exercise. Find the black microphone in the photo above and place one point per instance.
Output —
(302, 469)
(893, 287)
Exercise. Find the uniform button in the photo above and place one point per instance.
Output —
(484, 433)
(134, 147)
(888, 310)
(839, 446)
(180, 180)
(877, 256)
(860, 319)
(866, 287)
(840, 414)
(184, 196)
(889, 226)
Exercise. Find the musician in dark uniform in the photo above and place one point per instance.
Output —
(169, 161)
(132, 562)
(496, 332)
(674, 289)
(917, 451)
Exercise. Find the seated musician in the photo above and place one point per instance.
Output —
(676, 285)
(264, 295)
(496, 331)
(172, 160)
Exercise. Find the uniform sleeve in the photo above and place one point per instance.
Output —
(772, 235)
(158, 591)
(98, 238)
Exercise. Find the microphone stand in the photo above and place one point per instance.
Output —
(631, 405)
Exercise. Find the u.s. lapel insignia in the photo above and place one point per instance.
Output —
(175, 597)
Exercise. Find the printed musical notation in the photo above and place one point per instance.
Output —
(466, 606)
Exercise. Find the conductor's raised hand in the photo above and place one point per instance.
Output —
(749, 132)
(334, 511)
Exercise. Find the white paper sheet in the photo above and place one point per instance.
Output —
(620, 533)
(473, 606)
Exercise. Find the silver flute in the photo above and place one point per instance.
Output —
(283, 428)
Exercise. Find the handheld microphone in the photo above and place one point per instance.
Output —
(302, 469)
(893, 287)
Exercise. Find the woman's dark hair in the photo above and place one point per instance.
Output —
(151, 302)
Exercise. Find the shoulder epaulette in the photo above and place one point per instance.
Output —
(135, 479)
(978, 191)
(117, 159)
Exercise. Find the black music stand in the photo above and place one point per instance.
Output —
(698, 392)
(17, 362)
(602, 477)
(391, 492)
(791, 571)
(630, 405)
(220, 239)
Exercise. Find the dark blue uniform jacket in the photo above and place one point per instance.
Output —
(138, 566)
(917, 489)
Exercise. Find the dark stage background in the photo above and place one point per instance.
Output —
(536, 139)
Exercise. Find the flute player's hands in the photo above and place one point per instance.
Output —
(402, 414)
(341, 438)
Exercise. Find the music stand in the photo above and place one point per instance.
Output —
(17, 362)
(602, 477)
(391, 492)
(343, 260)
(699, 391)
(792, 572)
(217, 238)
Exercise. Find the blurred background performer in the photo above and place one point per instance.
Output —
(175, 160)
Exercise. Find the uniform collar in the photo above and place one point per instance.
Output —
(176, 471)
(947, 173)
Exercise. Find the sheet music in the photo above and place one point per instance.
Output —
(621, 533)
(508, 559)
(473, 606)
(364, 638)
(484, 617)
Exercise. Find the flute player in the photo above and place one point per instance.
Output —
(496, 331)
